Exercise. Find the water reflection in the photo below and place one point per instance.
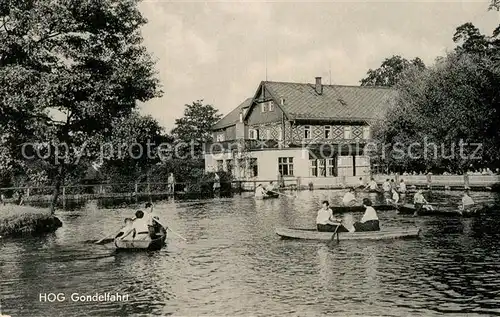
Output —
(234, 264)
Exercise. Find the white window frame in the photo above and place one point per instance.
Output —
(220, 137)
(252, 134)
(329, 129)
(330, 167)
(264, 106)
(271, 106)
(288, 162)
(313, 168)
(322, 167)
(347, 132)
(307, 132)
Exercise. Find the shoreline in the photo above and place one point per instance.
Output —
(16, 221)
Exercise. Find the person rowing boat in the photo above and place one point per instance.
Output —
(394, 199)
(270, 188)
(325, 222)
(420, 202)
(372, 185)
(260, 192)
(467, 202)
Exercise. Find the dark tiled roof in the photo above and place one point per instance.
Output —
(350, 103)
(233, 117)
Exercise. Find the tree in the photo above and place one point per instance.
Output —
(453, 102)
(471, 41)
(195, 126)
(134, 148)
(494, 5)
(390, 70)
(68, 69)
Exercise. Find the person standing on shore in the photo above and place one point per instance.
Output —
(2, 199)
(171, 183)
(216, 183)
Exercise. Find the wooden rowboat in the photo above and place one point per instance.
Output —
(144, 244)
(313, 234)
(441, 211)
(269, 196)
(343, 209)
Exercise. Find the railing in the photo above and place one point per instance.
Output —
(117, 190)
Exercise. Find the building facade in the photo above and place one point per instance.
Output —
(311, 131)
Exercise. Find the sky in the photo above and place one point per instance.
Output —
(217, 51)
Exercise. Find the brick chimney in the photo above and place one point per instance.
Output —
(319, 86)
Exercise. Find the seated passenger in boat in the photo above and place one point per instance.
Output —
(394, 199)
(128, 230)
(260, 192)
(467, 201)
(325, 222)
(369, 222)
(150, 217)
(349, 198)
(372, 185)
(141, 226)
(386, 186)
(402, 186)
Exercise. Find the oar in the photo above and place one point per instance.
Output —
(168, 228)
(108, 239)
(272, 191)
(335, 232)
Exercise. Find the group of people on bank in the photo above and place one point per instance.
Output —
(143, 225)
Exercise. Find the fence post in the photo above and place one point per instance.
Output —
(135, 192)
(27, 192)
(429, 180)
(64, 197)
(299, 182)
(466, 181)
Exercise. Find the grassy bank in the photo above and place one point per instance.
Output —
(25, 220)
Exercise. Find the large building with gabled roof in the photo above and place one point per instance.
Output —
(313, 131)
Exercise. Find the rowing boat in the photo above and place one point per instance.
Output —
(147, 243)
(440, 211)
(268, 196)
(313, 234)
(344, 209)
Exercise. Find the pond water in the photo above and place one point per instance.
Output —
(233, 264)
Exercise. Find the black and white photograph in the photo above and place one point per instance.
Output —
(249, 158)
